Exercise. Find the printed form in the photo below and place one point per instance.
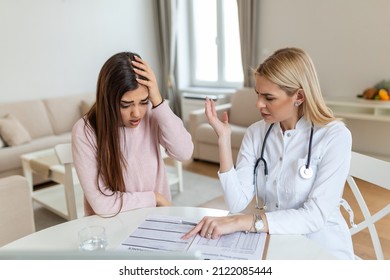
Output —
(163, 233)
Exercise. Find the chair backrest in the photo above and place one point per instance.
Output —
(175, 176)
(376, 172)
(243, 111)
(16, 210)
(64, 155)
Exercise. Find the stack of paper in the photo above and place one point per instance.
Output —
(163, 233)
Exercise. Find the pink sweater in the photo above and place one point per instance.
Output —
(145, 172)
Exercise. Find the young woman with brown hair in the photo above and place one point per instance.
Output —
(116, 145)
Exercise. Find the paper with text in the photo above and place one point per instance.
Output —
(163, 233)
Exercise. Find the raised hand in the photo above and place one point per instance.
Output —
(143, 69)
(222, 128)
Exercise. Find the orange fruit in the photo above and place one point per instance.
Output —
(383, 94)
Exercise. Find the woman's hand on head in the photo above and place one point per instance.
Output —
(161, 200)
(222, 128)
(214, 227)
(144, 70)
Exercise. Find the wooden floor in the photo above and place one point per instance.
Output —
(362, 242)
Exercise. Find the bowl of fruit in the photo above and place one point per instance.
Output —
(380, 91)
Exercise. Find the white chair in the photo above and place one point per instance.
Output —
(175, 176)
(16, 210)
(73, 193)
(376, 172)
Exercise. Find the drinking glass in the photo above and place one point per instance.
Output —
(92, 238)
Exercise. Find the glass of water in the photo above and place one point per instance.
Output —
(92, 238)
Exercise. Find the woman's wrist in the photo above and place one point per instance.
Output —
(245, 223)
(225, 138)
(265, 221)
(251, 228)
(156, 103)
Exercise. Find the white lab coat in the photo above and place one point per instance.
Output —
(296, 205)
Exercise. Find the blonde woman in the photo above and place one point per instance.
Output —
(294, 162)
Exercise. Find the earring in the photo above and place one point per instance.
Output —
(296, 104)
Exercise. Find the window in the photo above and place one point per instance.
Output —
(215, 44)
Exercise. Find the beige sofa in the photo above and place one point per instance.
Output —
(33, 125)
(242, 113)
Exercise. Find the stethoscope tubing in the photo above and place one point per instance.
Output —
(310, 143)
(305, 171)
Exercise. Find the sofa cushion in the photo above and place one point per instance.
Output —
(12, 131)
(238, 133)
(206, 134)
(243, 111)
(64, 112)
(85, 106)
(12, 154)
(31, 114)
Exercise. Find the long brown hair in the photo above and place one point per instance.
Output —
(116, 77)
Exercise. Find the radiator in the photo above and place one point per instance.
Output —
(194, 101)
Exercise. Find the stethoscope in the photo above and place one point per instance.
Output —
(305, 171)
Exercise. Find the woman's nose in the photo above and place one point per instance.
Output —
(260, 103)
(134, 111)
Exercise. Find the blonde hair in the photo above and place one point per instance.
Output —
(292, 69)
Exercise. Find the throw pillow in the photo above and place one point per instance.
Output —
(2, 144)
(12, 131)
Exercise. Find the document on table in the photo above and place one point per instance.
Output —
(163, 233)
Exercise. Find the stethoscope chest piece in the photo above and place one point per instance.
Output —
(306, 173)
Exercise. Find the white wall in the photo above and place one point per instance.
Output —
(348, 40)
(57, 47)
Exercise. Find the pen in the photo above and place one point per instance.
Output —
(173, 221)
(188, 223)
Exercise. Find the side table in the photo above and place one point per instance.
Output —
(53, 198)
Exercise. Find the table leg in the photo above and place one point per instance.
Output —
(27, 172)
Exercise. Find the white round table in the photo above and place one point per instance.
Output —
(63, 237)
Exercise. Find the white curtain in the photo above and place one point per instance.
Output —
(167, 21)
(248, 13)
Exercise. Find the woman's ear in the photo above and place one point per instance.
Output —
(300, 96)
